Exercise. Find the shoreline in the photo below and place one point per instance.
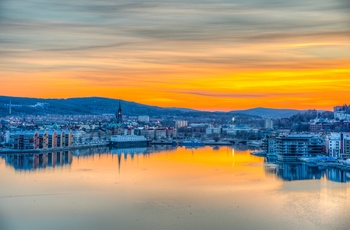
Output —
(320, 163)
(75, 147)
(48, 150)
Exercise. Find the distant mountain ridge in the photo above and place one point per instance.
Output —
(100, 105)
(87, 105)
(269, 112)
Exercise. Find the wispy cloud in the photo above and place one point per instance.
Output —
(160, 45)
(240, 95)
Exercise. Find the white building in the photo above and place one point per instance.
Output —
(335, 144)
(268, 123)
(180, 123)
(143, 118)
(212, 130)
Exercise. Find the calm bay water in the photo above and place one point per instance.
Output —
(167, 188)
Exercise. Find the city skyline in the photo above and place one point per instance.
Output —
(215, 55)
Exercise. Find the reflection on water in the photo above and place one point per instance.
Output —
(163, 187)
(28, 162)
(290, 171)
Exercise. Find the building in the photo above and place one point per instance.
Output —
(171, 132)
(128, 141)
(119, 115)
(43, 139)
(160, 133)
(268, 123)
(24, 140)
(212, 130)
(338, 144)
(320, 125)
(346, 147)
(180, 124)
(40, 139)
(293, 146)
(148, 133)
(270, 145)
(342, 112)
(143, 119)
(60, 140)
(199, 127)
(67, 137)
(52, 139)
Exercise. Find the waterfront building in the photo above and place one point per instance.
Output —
(338, 144)
(24, 140)
(52, 139)
(67, 137)
(347, 147)
(292, 146)
(40, 139)
(60, 142)
(269, 145)
(43, 139)
(128, 141)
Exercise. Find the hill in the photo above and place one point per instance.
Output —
(88, 105)
(99, 105)
(269, 113)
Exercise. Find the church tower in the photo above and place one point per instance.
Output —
(119, 114)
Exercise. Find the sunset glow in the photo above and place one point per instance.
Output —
(217, 55)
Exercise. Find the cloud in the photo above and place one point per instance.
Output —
(238, 95)
(161, 43)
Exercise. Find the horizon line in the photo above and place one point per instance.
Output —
(170, 107)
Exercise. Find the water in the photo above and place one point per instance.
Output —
(167, 188)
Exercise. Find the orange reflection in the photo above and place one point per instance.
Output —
(205, 167)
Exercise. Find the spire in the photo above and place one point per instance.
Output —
(10, 108)
(119, 114)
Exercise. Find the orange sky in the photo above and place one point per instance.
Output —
(211, 56)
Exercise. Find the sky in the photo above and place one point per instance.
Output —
(208, 55)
